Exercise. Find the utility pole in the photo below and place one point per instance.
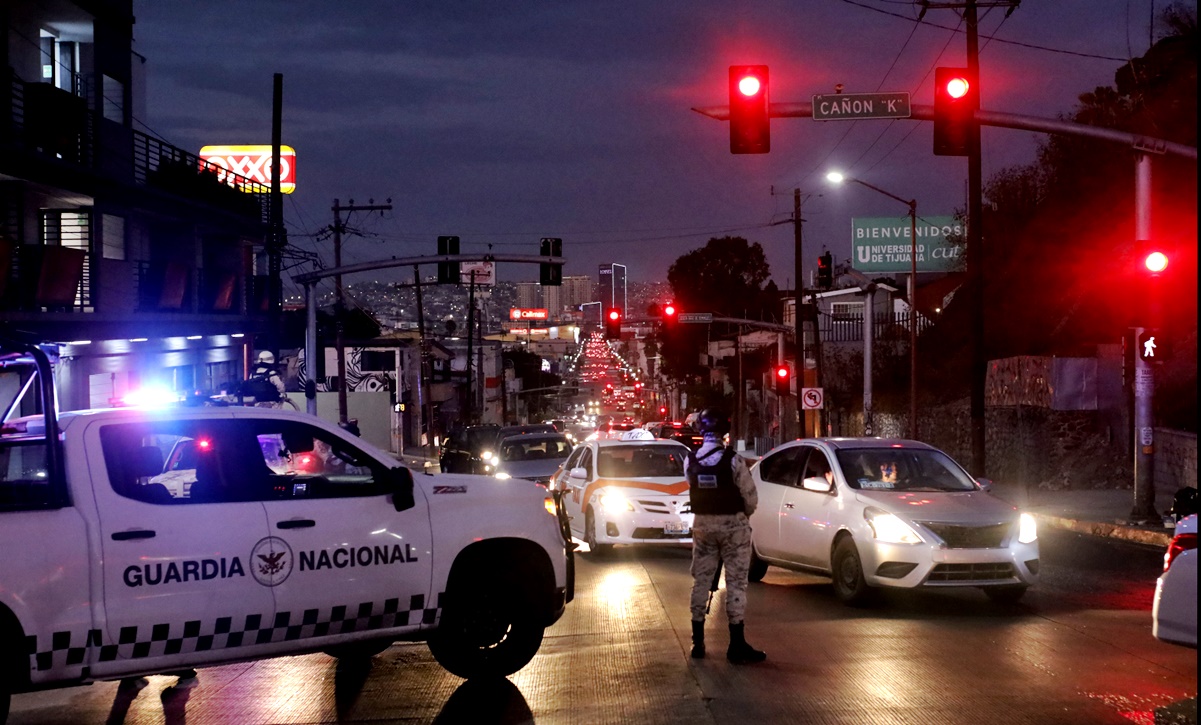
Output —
(425, 405)
(798, 275)
(975, 234)
(339, 308)
(277, 234)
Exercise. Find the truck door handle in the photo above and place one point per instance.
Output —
(136, 534)
(296, 524)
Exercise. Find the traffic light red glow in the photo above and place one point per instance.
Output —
(614, 315)
(749, 85)
(957, 87)
(1156, 261)
(782, 372)
(669, 310)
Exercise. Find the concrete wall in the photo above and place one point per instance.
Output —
(373, 411)
(1175, 461)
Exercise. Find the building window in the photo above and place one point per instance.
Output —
(114, 99)
(112, 235)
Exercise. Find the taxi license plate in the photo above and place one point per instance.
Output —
(675, 527)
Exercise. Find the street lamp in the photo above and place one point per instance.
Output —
(835, 177)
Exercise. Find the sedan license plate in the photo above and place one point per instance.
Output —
(675, 527)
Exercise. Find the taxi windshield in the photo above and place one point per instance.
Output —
(640, 461)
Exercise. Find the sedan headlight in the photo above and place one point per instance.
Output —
(613, 502)
(486, 456)
(1027, 529)
(502, 475)
(889, 528)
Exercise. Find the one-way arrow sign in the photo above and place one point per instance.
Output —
(852, 106)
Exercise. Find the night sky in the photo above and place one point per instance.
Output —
(506, 122)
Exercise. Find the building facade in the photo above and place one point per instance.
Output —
(611, 285)
(129, 258)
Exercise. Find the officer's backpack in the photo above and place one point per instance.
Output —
(260, 388)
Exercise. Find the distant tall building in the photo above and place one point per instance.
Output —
(611, 286)
(576, 291)
(552, 300)
(527, 295)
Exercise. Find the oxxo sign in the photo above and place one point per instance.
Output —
(882, 244)
(521, 313)
(254, 162)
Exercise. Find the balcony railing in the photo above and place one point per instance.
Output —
(59, 126)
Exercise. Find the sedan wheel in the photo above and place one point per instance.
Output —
(849, 585)
(590, 535)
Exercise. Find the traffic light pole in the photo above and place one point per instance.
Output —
(1144, 379)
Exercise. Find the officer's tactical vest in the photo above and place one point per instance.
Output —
(712, 488)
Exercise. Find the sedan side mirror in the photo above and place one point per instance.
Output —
(985, 484)
(400, 482)
(817, 483)
(579, 473)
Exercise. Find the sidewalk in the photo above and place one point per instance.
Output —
(1100, 512)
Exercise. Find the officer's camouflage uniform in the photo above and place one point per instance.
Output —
(718, 538)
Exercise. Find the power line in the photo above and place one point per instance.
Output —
(1032, 46)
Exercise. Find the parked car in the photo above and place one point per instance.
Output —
(1174, 611)
(627, 492)
(464, 450)
(532, 456)
(874, 512)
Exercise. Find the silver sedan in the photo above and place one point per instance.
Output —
(876, 512)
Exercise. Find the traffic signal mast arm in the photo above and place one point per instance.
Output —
(921, 112)
(320, 274)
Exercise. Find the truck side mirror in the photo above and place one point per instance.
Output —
(400, 481)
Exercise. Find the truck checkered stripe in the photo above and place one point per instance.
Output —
(61, 649)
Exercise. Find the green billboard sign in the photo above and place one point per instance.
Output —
(883, 244)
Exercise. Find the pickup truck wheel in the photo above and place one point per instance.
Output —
(358, 650)
(485, 633)
(590, 535)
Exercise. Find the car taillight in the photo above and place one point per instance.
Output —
(1180, 544)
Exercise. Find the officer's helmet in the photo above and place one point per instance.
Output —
(266, 357)
(712, 420)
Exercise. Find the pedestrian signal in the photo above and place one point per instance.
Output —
(1151, 346)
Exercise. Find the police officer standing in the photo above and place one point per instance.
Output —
(723, 496)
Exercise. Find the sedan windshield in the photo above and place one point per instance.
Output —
(640, 461)
(534, 449)
(902, 469)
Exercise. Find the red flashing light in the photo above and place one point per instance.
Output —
(204, 444)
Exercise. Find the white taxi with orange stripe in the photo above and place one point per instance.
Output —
(627, 492)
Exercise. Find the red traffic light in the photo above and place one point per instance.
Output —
(750, 111)
(1156, 262)
(669, 310)
(957, 87)
(614, 315)
(782, 372)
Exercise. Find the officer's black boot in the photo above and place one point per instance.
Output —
(698, 640)
(741, 653)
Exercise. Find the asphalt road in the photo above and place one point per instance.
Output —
(1078, 649)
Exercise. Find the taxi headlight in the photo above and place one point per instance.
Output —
(502, 475)
(1027, 529)
(614, 502)
(889, 528)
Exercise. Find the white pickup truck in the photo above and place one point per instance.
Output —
(143, 541)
